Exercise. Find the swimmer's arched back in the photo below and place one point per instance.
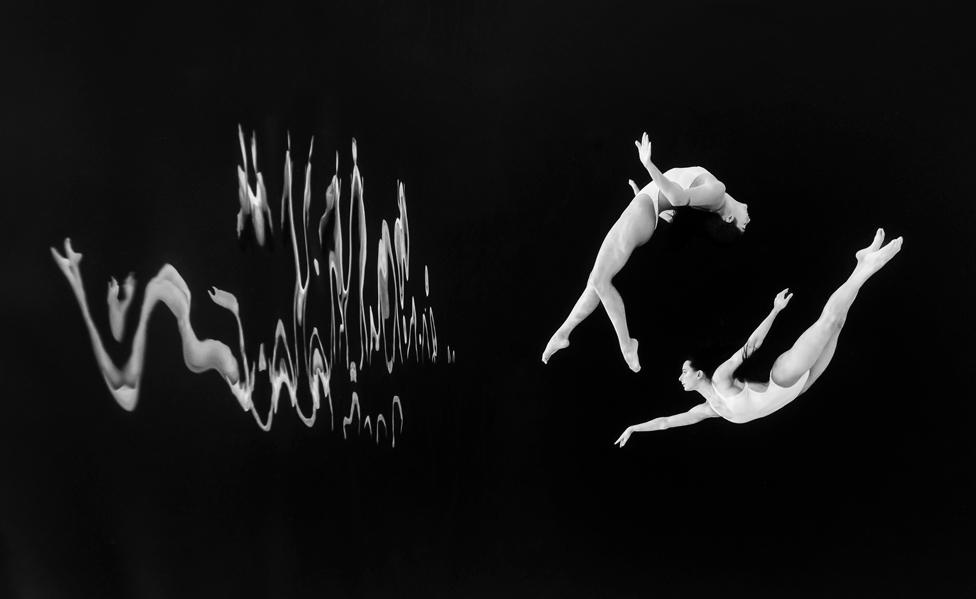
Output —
(693, 187)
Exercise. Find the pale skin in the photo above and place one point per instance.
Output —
(633, 229)
(811, 352)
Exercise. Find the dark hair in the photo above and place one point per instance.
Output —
(693, 223)
(721, 231)
(712, 357)
(696, 364)
(707, 359)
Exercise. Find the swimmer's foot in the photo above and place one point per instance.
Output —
(630, 355)
(556, 343)
(872, 260)
(875, 246)
(68, 263)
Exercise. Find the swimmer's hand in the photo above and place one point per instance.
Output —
(644, 149)
(622, 440)
(782, 299)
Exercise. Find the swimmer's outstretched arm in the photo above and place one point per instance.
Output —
(759, 335)
(756, 338)
(692, 416)
(703, 197)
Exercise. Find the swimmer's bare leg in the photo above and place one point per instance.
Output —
(813, 350)
(587, 302)
(820, 365)
(614, 305)
(119, 307)
(634, 228)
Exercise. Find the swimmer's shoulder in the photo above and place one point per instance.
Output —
(691, 176)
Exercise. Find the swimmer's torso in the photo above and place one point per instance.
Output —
(685, 176)
(753, 400)
(639, 219)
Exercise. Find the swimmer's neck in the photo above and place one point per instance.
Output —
(727, 208)
(705, 389)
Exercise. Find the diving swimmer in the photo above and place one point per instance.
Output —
(793, 373)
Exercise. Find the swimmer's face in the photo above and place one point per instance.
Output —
(739, 215)
(689, 376)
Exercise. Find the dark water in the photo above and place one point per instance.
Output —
(511, 127)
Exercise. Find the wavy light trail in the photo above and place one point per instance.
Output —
(388, 331)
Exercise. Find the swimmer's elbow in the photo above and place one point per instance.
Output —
(705, 411)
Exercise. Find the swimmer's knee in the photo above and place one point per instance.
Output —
(833, 321)
(599, 284)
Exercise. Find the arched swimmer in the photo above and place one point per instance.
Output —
(694, 187)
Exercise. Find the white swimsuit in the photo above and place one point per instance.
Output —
(750, 404)
(684, 177)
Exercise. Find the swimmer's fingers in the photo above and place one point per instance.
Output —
(633, 186)
(782, 299)
(622, 439)
(643, 148)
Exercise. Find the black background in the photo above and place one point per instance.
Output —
(512, 127)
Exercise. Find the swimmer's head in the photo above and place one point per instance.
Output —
(736, 213)
(691, 376)
(729, 223)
